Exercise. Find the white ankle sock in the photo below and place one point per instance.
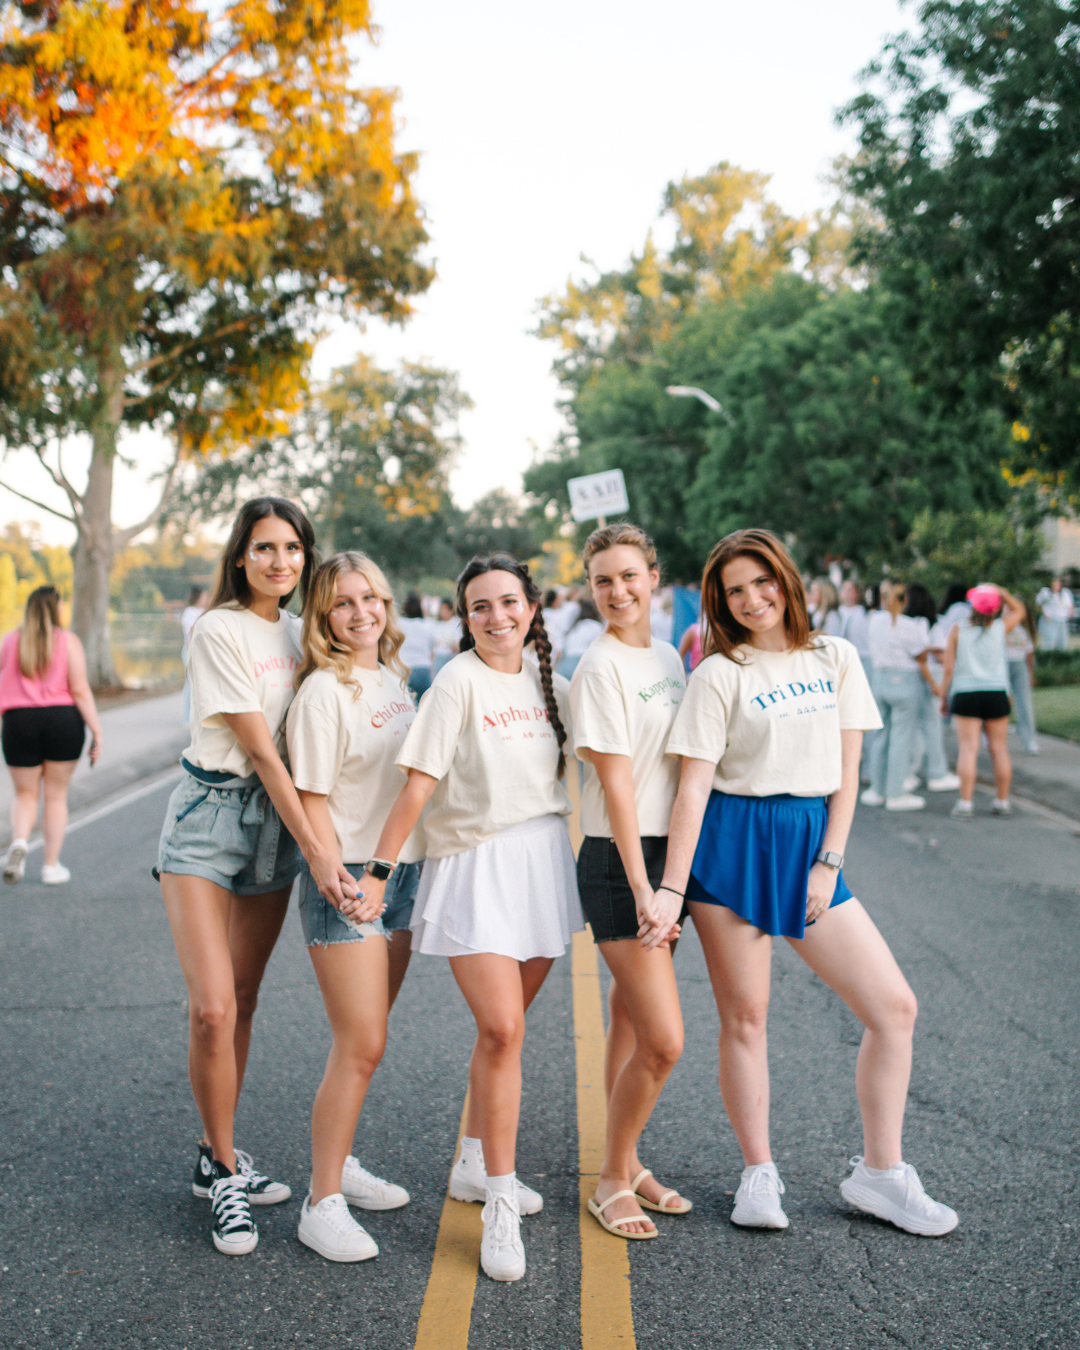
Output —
(1001, 801)
(878, 1171)
(467, 1143)
(504, 1184)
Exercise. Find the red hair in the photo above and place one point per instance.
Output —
(722, 631)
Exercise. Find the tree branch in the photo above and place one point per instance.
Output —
(202, 340)
(61, 480)
(121, 538)
(41, 505)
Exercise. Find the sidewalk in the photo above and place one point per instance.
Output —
(139, 739)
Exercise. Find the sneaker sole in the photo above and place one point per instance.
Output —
(780, 1221)
(373, 1205)
(869, 1203)
(16, 865)
(472, 1195)
(203, 1193)
(236, 1248)
(348, 1258)
(507, 1277)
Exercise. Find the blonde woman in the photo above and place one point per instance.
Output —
(344, 730)
(47, 705)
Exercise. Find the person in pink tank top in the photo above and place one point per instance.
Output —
(46, 705)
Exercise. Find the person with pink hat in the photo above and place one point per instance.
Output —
(976, 678)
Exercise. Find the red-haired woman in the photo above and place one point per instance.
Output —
(769, 734)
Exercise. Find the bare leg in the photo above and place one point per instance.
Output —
(533, 974)
(997, 732)
(199, 918)
(650, 1000)
(846, 951)
(353, 980)
(24, 809)
(56, 777)
(967, 740)
(399, 947)
(494, 990)
(739, 958)
(254, 925)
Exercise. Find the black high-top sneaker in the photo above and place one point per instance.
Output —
(234, 1230)
(204, 1173)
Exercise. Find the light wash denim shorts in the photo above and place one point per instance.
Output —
(228, 832)
(323, 925)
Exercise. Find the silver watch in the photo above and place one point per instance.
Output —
(833, 860)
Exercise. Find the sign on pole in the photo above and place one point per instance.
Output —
(598, 495)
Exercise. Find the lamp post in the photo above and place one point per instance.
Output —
(691, 391)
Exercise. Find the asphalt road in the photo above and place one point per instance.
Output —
(103, 1245)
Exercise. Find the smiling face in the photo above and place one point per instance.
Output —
(499, 618)
(273, 560)
(850, 595)
(357, 617)
(622, 584)
(754, 596)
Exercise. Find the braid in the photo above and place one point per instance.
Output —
(538, 636)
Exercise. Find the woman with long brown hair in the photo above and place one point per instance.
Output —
(498, 895)
(46, 703)
(769, 734)
(234, 835)
(345, 728)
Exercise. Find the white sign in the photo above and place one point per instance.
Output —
(597, 494)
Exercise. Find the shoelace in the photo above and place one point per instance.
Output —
(232, 1209)
(915, 1197)
(357, 1173)
(246, 1167)
(506, 1216)
(337, 1216)
(764, 1180)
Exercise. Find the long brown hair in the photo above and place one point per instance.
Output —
(42, 618)
(231, 587)
(537, 634)
(322, 650)
(723, 633)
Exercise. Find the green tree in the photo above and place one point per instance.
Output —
(186, 189)
(998, 546)
(969, 133)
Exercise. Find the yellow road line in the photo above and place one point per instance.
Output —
(607, 1318)
(447, 1308)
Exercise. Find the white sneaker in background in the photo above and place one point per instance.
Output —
(872, 798)
(948, 782)
(907, 802)
(15, 862)
(1001, 807)
(329, 1229)
(757, 1201)
(367, 1191)
(54, 874)
(911, 782)
(962, 810)
(898, 1197)
(502, 1255)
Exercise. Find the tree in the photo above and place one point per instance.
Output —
(185, 191)
(969, 131)
(998, 546)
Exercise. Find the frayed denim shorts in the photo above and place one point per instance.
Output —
(323, 925)
(227, 831)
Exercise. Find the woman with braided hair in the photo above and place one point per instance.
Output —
(498, 895)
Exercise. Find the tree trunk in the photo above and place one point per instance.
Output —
(93, 552)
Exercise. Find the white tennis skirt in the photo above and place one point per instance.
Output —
(513, 895)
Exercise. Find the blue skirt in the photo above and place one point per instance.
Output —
(754, 856)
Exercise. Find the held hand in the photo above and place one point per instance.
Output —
(658, 913)
(368, 903)
(820, 890)
(332, 878)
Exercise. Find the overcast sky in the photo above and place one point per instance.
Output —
(548, 132)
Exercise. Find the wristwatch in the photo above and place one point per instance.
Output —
(833, 860)
(380, 869)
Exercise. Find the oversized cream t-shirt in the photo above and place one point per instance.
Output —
(773, 724)
(238, 663)
(343, 742)
(624, 700)
(487, 739)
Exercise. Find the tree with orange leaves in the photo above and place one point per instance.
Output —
(187, 191)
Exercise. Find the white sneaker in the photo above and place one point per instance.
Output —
(54, 874)
(1000, 807)
(468, 1182)
(911, 782)
(898, 1197)
(757, 1201)
(15, 862)
(367, 1191)
(502, 1256)
(907, 802)
(962, 810)
(329, 1229)
(872, 798)
(1032, 749)
(948, 782)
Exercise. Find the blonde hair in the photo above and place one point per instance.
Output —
(322, 651)
(36, 635)
(611, 536)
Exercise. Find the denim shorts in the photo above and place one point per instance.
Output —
(605, 892)
(323, 925)
(229, 833)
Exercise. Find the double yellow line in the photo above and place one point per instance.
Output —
(607, 1321)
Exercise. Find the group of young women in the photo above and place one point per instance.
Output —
(443, 830)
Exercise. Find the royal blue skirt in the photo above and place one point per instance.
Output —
(754, 855)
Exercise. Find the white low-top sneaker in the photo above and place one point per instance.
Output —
(1001, 806)
(502, 1255)
(15, 862)
(872, 798)
(948, 782)
(907, 801)
(911, 782)
(367, 1191)
(234, 1230)
(757, 1201)
(468, 1182)
(898, 1197)
(962, 810)
(329, 1229)
(54, 874)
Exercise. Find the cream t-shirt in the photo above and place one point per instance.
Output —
(487, 739)
(343, 742)
(238, 663)
(623, 701)
(773, 724)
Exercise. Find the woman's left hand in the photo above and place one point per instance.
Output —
(820, 890)
(657, 918)
(367, 905)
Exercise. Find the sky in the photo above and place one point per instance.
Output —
(546, 133)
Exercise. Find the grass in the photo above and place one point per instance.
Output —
(1058, 667)
(1057, 710)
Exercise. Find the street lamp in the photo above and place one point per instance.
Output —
(691, 391)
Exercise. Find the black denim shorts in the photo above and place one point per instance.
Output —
(605, 893)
